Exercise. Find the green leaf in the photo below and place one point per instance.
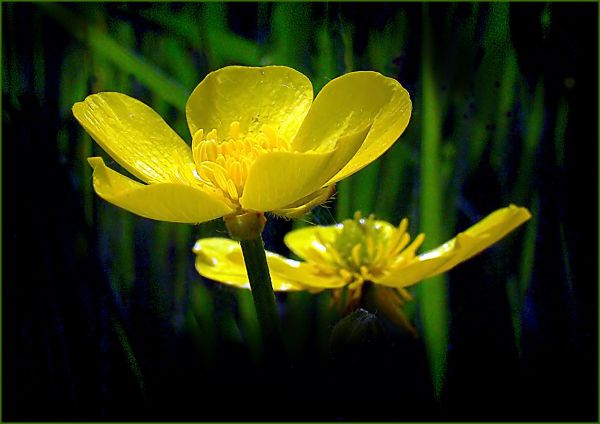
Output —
(432, 293)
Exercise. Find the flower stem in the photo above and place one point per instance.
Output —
(247, 229)
(263, 296)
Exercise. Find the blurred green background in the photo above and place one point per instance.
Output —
(104, 316)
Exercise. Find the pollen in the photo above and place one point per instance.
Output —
(223, 162)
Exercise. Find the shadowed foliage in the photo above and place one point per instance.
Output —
(105, 318)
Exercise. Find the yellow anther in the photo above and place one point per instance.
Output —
(381, 252)
(234, 130)
(370, 247)
(212, 134)
(412, 248)
(403, 226)
(198, 136)
(345, 274)
(235, 172)
(231, 190)
(230, 159)
(356, 254)
(357, 215)
(208, 150)
(222, 181)
(337, 258)
(364, 272)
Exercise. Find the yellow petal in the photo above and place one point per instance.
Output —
(278, 179)
(162, 201)
(412, 271)
(351, 102)
(307, 242)
(222, 260)
(464, 246)
(483, 234)
(273, 95)
(304, 205)
(136, 137)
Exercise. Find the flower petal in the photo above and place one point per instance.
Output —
(413, 270)
(222, 260)
(304, 205)
(464, 246)
(162, 201)
(351, 102)
(307, 242)
(483, 234)
(278, 179)
(277, 96)
(136, 137)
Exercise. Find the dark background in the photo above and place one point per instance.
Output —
(104, 317)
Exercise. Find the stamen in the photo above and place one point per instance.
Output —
(212, 134)
(403, 225)
(198, 136)
(356, 254)
(224, 164)
(234, 130)
(412, 248)
(370, 247)
(345, 274)
(208, 151)
(335, 255)
(364, 272)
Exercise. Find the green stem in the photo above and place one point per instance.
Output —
(247, 228)
(262, 294)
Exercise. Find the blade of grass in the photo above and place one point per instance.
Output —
(106, 46)
(223, 46)
(504, 111)
(182, 24)
(532, 136)
(517, 287)
(382, 49)
(129, 355)
(290, 35)
(432, 293)
(493, 76)
(205, 334)
(324, 62)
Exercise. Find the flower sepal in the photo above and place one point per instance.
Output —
(245, 226)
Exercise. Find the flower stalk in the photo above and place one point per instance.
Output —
(247, 229)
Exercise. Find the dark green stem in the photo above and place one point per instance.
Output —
(264, 298)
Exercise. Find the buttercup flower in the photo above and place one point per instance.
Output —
(358, 254)
(259, 143)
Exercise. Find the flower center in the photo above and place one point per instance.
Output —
(364, 248)
(361, 242)
(224, 163)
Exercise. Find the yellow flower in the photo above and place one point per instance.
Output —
(356, 252)
(259, 143)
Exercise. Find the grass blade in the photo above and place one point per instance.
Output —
(432, 293)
